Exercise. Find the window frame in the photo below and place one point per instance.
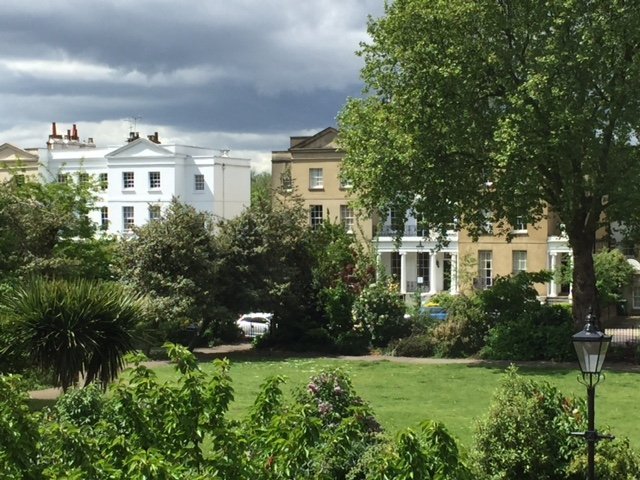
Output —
(423, 268)
(155, 212)
(520, 226)
(128, 180)
(104, 218)
(316, 178)
(315, 219)
(154, 183)
(519, 261)
(103, 181)
(485, 269)
(198, 180)
(347, 218)
(128, 222)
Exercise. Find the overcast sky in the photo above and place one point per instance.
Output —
(243, 75)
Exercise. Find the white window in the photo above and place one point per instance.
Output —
(63, 178)
(127, 218)
(198, 182)
(519, 261)
(520, 226)
(636, 296)
(346, 218)
(315, 179)
(154, 180)
(396, 265)
(286, 180)
(103, 181)
(485, 268)
(128, 180)
(422, 271)
(19, 179)
(104, 218)
(83, 178)
(315, 216)
(154, 212)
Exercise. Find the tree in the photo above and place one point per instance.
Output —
(613, 273)
(260, 185)
(173, 260)
(74, 328)
(45, 229)
(505, 107)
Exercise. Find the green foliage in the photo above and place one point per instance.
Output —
(541, 335)
(463, 333)
(261, 189)
(543, 103)
(613, 272)
(80, 406)
(428, 454)
(526, 434)
(420, 345)
(74, 327)
(173, 261)
(614, 460)
(379, 309)
(45, 229)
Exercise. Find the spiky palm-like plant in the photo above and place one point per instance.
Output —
(75, 328)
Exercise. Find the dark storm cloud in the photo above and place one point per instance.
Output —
(256, 67)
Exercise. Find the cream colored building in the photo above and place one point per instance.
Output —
(310, 167)
(17, 162)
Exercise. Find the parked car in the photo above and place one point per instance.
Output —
(435, 311)
(254, 324)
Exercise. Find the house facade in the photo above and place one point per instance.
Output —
(310, 168)
(138, 180)
(420, 263)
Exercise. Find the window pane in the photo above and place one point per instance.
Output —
(485, 268)
(127, 180)
(104, 218)
(315, 216)
(346, 217)
(199, 182)
(519, 261)
(315, 178)
(127, 218)
(154, 179)
(154, 212)
(103, 180)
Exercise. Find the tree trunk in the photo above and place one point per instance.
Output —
(584, 292)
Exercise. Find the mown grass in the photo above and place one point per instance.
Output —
(403, 394)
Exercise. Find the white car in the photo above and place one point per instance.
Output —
(254, 324)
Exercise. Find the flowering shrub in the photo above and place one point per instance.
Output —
(380, 310)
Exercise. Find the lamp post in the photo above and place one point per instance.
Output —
(591, 346)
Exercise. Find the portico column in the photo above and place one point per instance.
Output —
(553, 287)
(379, 267)
(454, 274)
(403, 272)
(432, 273)
(571, 283)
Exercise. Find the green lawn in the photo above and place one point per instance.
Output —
(404, 394)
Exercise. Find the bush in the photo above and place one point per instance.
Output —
(526, 434)
(81, 406)
(541, 335)
(380, 310)
(354, 342)
(463, 333)
(614, 460)
(421, 345)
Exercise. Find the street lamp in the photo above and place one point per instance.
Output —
(591, 346)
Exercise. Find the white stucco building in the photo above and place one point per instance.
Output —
(140, 178)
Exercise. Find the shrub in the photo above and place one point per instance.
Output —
(421, 345)
(614, 460)
(427, 454)
(81, 406)
(380, 310)
(354, 342)
(463, 333)
(526, 434)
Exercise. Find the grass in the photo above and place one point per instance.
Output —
(403, 394)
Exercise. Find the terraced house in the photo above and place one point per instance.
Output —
(137, 179)
(311, 168)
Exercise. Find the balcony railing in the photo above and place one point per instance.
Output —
(406, 231)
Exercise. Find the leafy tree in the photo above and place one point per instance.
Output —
(265, 264)
(75, 328)
(505, 107)
(45, 229)
(173, 260)
(613, 272)
(260, 186)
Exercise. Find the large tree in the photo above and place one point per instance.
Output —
(502, 108)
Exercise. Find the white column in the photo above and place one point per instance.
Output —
(454, 274)
(553, 286)
(571, 283)
(379, 267)
(403, 272)
(432, 273)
